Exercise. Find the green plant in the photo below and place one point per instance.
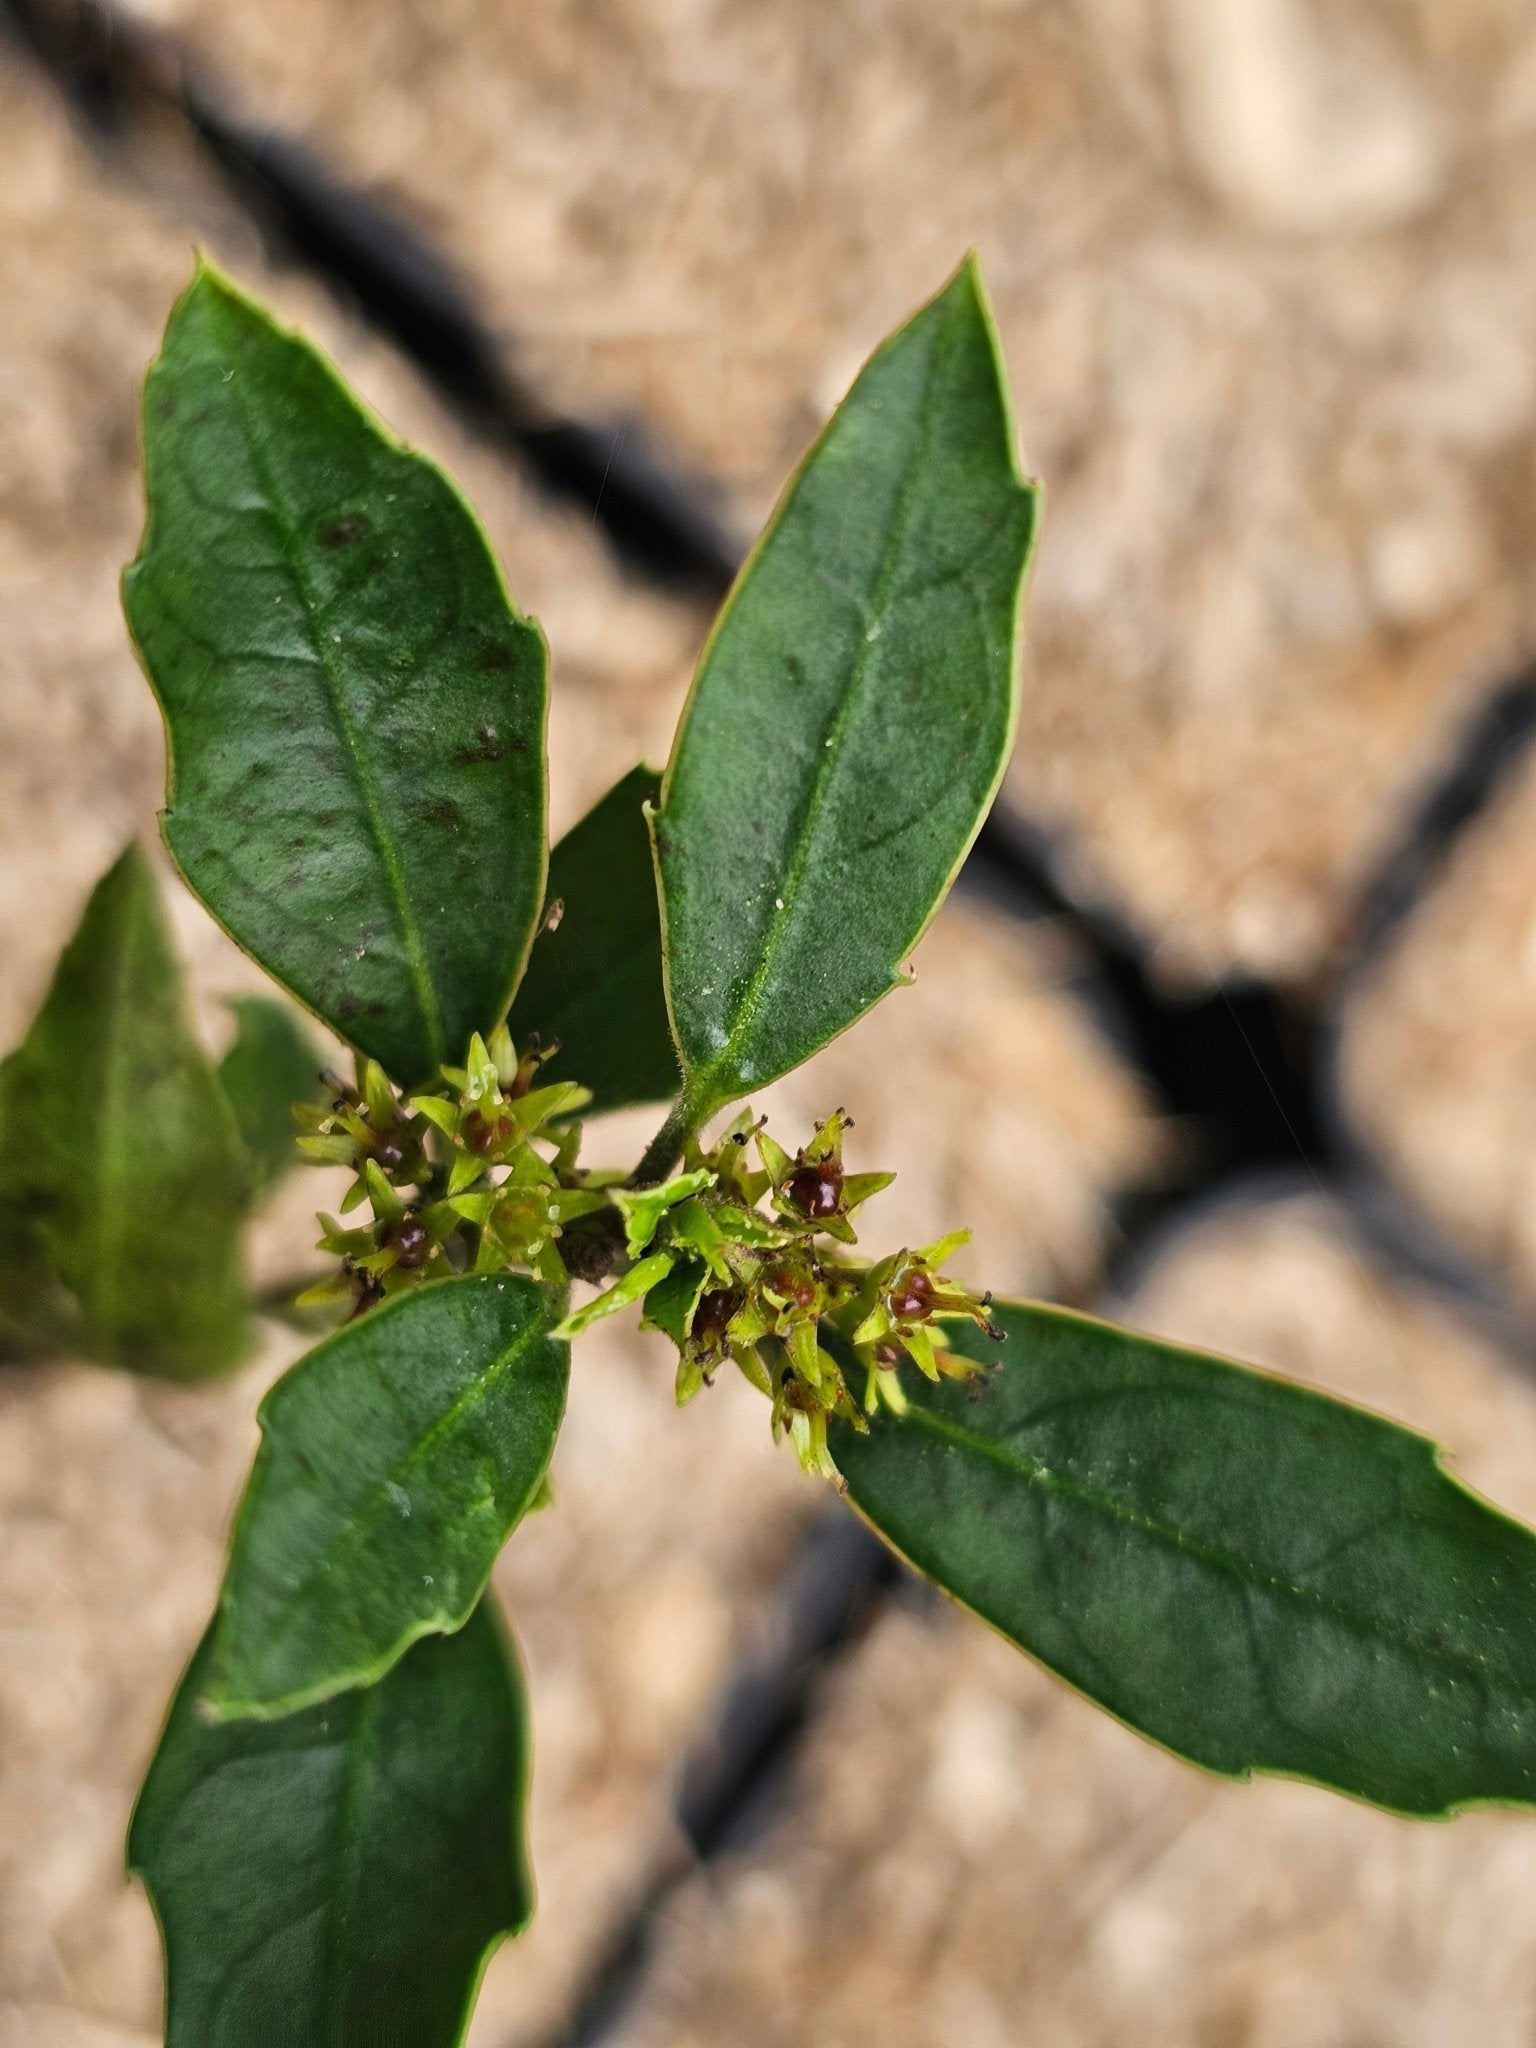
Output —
(1251, 1574)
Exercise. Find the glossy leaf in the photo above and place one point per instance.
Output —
(355, 708)
(338, 1879)
(395, 1459)
(272, 1064)
(852, 713)
(123, 1180)
(1256, 1576)
(594, 983)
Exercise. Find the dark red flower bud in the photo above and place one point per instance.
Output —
(911, 1298)
(484, 1134)
(799, 1289)
(816, 1188)
(408, 1240)
(713, 1313)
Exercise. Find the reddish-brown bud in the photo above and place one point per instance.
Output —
(713, 1313)
(816, 1188)
(912, 1295)
(799, 1289)
(408, 1240)
(484, 1134)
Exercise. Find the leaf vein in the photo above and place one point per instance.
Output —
(1248, 1576)
(388, 852)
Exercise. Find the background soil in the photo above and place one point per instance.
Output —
(1266, 276)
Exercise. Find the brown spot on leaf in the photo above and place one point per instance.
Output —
(487, 747)
(347, 531)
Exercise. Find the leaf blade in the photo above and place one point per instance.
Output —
(123, 1179)
(852, 713)
(1255, 1576)
(395, 1460)
(595, 982)
(355, 708)
(376, 1846)
(271, 1065)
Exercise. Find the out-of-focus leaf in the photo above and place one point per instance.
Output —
(123, 1180)
(272, 1065)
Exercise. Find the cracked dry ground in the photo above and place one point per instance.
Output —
(1266, 293)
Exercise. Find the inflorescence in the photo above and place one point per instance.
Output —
(743, 1257)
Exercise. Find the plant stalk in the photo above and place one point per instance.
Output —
(666, 1148)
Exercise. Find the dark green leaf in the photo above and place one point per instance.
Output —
(123, 1180)
(337, 1879)
(395, 1459)
(594, 983)
(1255, 1575)
(355, 707)
(852, 713)
(272, 1065)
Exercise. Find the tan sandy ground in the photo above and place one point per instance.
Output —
(1438, 1060)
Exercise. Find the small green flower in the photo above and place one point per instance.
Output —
(743, 1257)
(478, 1175)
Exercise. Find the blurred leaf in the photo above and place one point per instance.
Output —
(395, 1460)
(337, 1879)
(594, 983)
(355, 707)
(123, 1180)
(1256, 1576)
(852, 712)
(272, 1064)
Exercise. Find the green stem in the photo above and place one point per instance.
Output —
(666, 1148)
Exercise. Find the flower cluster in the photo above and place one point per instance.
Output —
(745, 1256)
(472, 1177)
(750, 1264)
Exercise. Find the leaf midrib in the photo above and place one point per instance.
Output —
(112, 1124)
(365, 1510)
(389, 858)
(830, 751)
(346, 1835)
(1468, 1663)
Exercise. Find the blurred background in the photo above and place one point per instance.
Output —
(1230, 1026)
